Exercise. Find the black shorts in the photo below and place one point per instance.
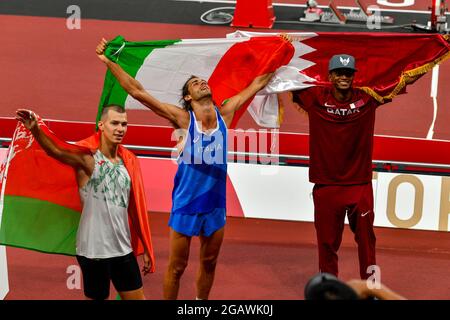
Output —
(97, 273)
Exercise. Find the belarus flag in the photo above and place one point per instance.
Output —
(40, 207)
(386, 63)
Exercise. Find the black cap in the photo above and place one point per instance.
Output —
(342, 61)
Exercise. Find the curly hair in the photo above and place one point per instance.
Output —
(185, 92)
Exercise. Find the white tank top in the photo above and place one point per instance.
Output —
(104, 231)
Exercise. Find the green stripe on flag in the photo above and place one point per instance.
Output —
(38, 225)
(130, 56)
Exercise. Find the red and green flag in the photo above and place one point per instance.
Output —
(40, 205)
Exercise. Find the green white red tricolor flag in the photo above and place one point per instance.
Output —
(385, 62)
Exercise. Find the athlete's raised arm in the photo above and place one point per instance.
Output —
(134, 88)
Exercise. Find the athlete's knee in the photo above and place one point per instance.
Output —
(137, 294)
(366, 235)
(176, 269)
(209, 263)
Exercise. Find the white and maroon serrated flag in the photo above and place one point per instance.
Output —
(385, 63)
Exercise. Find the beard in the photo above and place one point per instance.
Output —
(205, 95)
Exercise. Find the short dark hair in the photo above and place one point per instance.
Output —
(185, 92)
(114, 107)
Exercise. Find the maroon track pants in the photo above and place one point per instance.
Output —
(331, 204)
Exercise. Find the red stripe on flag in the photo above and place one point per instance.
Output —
(243, 62)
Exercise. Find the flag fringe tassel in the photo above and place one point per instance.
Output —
(406, 78)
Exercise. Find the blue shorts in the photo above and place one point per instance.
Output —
(204, 224)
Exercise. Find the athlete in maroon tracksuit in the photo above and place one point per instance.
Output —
(341, 125)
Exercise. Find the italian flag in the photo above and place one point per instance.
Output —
(162, 67)
(386, 63)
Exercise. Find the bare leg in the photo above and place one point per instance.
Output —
(137, 294)
(178, 260)
(209, 252)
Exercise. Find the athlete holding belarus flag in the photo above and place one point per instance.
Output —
(198, 204)
(113, 227)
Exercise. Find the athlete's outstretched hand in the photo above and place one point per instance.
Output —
(100, 50)
(27, 117)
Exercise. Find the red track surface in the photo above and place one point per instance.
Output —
(260, 259)
(55, 71)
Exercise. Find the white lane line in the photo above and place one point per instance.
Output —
(433, 94)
